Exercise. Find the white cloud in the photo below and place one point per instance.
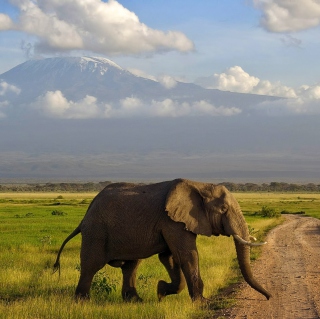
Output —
(94, 25)
(307, 102)
(303, 100)
(6, 88)
(167, 81)
(265, 87)
(209, 109)
(5, 22)
(235, 79)
(169, 108)
(55, 104)
(289, 16)
(310, 92)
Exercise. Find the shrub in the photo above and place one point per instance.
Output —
(269, 212)
(101, 283)
(58, 213)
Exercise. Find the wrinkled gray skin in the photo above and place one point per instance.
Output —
(126, 223)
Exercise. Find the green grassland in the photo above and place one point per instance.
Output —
(33, 226)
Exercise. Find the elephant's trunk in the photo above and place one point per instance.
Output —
(243, 254)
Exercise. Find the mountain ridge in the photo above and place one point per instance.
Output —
(78, 77)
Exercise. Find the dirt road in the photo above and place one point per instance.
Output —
(290, 269)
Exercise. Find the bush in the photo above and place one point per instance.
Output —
(101, 283)
(269, 212)
(58, 213)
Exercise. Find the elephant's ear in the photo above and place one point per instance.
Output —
(184, 204)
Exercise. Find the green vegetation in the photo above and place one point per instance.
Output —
(31, 235)
(96, 187)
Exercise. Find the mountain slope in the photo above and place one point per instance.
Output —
(77, 77)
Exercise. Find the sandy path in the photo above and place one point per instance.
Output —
(290, 269)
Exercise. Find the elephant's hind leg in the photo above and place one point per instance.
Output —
(129, 272)
(93, 258)
(177, 278)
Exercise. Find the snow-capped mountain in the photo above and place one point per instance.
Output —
(75, 77)
(136, 128)
(107, 82)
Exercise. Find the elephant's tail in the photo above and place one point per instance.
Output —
(56, 265)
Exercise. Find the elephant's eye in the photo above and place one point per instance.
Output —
(224, 208)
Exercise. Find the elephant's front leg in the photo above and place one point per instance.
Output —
(183, 246)
(129, 272)
(189, 262)
(177, 278)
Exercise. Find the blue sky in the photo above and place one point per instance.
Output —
(273, 42)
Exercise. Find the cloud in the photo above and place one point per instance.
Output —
(167, 81)
(235, 79)
(56, 105)
(5, 22)
(94, 25)
(170, 108)
(288, 16)
(6, 88)
(302, 100)
(307, 102)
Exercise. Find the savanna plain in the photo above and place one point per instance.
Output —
(33, 226)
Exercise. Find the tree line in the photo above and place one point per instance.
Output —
(98, 186)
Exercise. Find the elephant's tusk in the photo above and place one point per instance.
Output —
(245, 242)
(253, 238)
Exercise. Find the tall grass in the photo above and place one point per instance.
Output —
(31, 235)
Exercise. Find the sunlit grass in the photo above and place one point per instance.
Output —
(29, 243)
(294, 202)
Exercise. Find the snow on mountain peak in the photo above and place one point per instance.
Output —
(93, 64)
(100, 60)
(97, 64)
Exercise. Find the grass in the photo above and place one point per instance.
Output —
(31, 236)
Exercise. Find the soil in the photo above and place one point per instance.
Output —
(289, 268)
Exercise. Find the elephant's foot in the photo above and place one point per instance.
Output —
(131, 296)
(165, 289)
(162, 289)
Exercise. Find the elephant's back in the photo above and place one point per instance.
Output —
(127, 202)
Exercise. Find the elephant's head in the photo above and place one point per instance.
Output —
(208, 209)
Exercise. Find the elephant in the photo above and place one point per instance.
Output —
(128, 222)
